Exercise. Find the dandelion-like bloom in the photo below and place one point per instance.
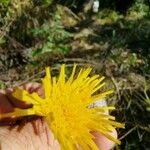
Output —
(65, 107)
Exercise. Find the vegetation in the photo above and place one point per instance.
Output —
(53, 36)
(115, 41)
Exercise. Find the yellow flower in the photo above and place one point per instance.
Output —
(65, 107)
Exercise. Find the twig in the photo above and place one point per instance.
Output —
(27, 80)
(73, 14)
(147, 129)
(2, 34)
(80, 60)
(11, 39)
(116, 85)
(131, 130)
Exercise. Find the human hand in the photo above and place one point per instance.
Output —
(34, 133)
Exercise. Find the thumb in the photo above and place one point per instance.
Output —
(102, 142)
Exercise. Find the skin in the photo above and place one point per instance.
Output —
(32, 133)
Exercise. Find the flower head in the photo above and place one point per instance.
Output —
(65, 107)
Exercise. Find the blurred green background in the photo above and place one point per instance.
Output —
(115, 41)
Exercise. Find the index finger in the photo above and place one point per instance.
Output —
(5, 104)
(30, 87)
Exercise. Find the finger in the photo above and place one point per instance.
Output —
(15, 102)
(40, 91)
(26, 86)
(8, 101)
(34, 87)
(103, 142)
(31, 87)
(8, 121)
(5, 105)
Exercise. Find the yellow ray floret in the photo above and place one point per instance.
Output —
(65, 108)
